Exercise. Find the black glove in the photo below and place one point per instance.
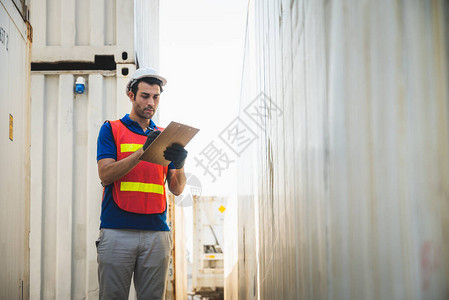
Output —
(177, 154)
(150, 138)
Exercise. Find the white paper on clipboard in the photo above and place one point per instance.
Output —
(174, 133)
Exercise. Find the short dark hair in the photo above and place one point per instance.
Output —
(149, 80)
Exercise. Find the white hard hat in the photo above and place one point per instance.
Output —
(141, 73)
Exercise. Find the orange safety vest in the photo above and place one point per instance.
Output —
(142, 190)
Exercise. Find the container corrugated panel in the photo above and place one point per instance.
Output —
(146, 25)
(15, 159)
(76, 31)
(180, 251)
(147, 33)
(349, 178)
(65, 188)
(170, 293)
(177, 270)
(232, 231)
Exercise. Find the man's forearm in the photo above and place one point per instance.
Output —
(177, 181)
(110, 170)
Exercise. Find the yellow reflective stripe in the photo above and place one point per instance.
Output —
(141, 187)
(130, 147)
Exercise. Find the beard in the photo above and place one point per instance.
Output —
(145, 113)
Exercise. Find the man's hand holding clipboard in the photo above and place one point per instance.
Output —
(175, 133)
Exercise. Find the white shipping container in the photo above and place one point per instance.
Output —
(147, 33)
(177, 272)
(180, 252)
(65, 188)
(208, 243)
(76, 31)
(15, 43)
(345, 194)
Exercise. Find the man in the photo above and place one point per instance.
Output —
(134, 236)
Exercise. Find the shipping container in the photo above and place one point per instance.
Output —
(147, 33)
(345, 192)
(99, 42)
(82, 31)
(180, 253)
(208, 244)
(15, 45)
(233, 252)
(65, 188)
(177, 273)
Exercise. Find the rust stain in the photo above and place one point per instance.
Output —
(430, 262)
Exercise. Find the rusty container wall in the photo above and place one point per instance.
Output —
(15, 45)
(345, 193)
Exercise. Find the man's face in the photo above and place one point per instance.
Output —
(146, 100)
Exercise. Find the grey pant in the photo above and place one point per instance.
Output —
(121, 252)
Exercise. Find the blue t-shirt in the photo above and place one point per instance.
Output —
(113, 216)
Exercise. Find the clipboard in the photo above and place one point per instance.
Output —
(174, 133)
